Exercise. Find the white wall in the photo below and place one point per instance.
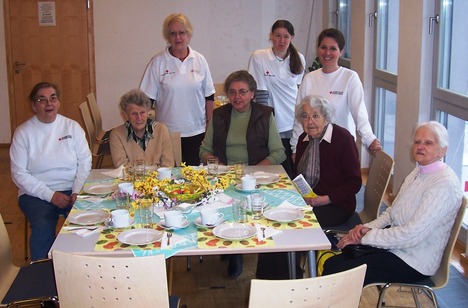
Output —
(128, 34)
(226, 32)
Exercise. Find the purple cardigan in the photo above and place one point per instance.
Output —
(340, 170)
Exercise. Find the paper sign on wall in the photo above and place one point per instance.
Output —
(46, 12)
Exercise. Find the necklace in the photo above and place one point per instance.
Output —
(281, 59)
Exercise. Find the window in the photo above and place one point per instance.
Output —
(344, 25)
(450, 87)
(385, 71)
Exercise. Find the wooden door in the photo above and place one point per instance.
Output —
(56, 53)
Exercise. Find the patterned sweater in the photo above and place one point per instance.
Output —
(420, 219)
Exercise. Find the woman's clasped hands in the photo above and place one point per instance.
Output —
(354, 236)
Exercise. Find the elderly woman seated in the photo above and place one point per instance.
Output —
(139, 137)
(328, 158)
(413, 232)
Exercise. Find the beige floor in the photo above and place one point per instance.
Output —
(205, 285)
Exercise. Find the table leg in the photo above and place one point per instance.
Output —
(311, 261)
(292, 264)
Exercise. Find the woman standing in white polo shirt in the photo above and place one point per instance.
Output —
(179, 81)
(278, 71)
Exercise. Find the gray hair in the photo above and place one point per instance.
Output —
(439, 131)
(326, 108)
(136, 97)
(176, 17)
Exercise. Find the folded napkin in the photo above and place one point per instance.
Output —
(86, 232)
(287, 205)
(116, 173)
(175, 239)
(267, 231)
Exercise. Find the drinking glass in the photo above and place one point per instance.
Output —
(239, 210)
(257, 201)
(212, 163)
(139, 169)
(146, 213)
(239, 171)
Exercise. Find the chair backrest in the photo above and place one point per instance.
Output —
(8, 271)
(97, 281)
(96, 115)
(219, 89)
(441, 277)
(176, 147)
(337, 290)
(377, 182)
(89, 126)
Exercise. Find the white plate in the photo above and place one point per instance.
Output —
(87, 218)
(284, 215)
(162, 224)
(199, 223)
(100, 189)
(239, 188)
(139, 236)
(234, 231)
(265, 178)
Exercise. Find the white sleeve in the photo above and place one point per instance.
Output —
(83, 155)
(359, 111)
(297, 128)
(150, 82)
(19, 173)
(255, 69)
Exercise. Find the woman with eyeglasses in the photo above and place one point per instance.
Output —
(242, 131)
(50, 162)
(179, 82)
(328, 159)
(278, 71)
(341, 87)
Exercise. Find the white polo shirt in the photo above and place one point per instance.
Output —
(179, 89)
(274, 75)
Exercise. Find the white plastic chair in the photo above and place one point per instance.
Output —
(341, 290)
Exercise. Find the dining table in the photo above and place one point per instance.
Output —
(301, 235)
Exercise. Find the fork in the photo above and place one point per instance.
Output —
(169, 235)
(263, 231)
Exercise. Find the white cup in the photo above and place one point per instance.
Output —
(120, 218)
(126, 188)
(164, 173)
(248, 182)
(210, 216)
(174, 219)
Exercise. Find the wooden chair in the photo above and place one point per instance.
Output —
(23, 286)
(377, 182)
(98, 150)
(176, 147)
(97, 281)
(439, 279)
(101, 135)
(337, 290)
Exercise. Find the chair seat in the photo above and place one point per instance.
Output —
(174, 301)
(36, 280)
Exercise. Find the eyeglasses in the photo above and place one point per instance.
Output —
(175, 34)
(241, 92)
(43, 100)
(307, 117)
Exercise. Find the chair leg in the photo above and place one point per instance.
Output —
(382, 291)
(188, 263)
(170, 275)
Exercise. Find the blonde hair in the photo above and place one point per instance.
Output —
(176, 17)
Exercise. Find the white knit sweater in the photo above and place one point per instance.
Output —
(421, 219)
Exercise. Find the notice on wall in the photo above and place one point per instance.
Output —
(46, 12)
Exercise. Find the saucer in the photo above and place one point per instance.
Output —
(239, 188)
(199, 223)
(162, 224)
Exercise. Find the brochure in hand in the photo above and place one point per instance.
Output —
(303, 187)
